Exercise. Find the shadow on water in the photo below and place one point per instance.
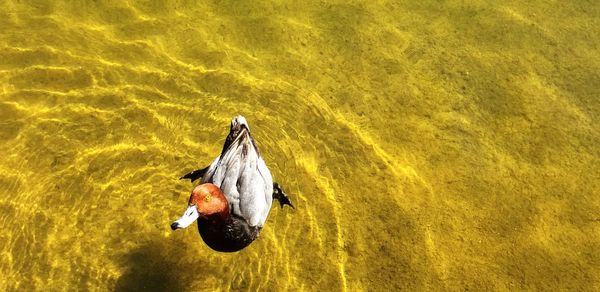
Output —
(156, 266)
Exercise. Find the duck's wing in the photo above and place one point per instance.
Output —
(245, 180)
(256, 189)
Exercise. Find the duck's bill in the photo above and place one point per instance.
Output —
(189, 216)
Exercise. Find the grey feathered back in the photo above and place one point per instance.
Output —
(243, 176)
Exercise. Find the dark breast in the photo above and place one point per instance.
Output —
(229, 236)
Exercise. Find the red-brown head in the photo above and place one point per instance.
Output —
(207, 201)
(210, 201)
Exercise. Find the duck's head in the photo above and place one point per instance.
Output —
(207, 201)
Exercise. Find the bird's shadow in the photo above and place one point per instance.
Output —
(156, 265)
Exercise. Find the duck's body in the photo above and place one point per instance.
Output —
(242, 178)
(241, 173)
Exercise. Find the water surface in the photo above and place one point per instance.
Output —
(439, 145)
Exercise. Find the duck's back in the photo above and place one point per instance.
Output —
(245, 180)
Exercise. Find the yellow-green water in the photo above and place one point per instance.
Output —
(426, 144)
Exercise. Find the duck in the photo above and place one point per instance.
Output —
(232, 202)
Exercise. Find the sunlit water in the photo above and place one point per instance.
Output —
(440, 145)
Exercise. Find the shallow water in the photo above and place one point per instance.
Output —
(441, 145)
